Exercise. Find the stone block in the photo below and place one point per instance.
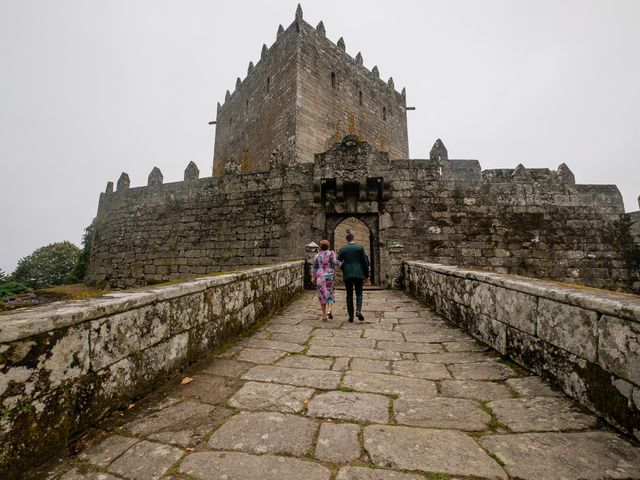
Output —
(571, 456)
(115, 337)
(338, 443)
(145, 460)
(242, 466)
(571, 328)
(360, 407)
(619, 347)
(271, 396)
(265, 432)
(446, 451)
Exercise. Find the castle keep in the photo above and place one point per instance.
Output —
(310, 139)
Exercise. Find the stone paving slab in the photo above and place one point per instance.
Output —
(292, 337)
(341, 364)
(242, 466)
(389, 384)
(325, 332)
(103, 453)
(207, 388)
(361, 473)
(453, 358)
(428, 371)
(440, 412)
(481, 371)
(447, 451)
(343, 342)
(362, 407)
(567, 456)
(369, 365)
(338, 443)
(265, 432)
(533, 387)
(384, 335)
(271, 396)
(302, 361)
(465, 346)
(301, 377)
(437, 337)
(410, 347)
(183, 424)
(273, 345)
(275, 328)
(145, 461)
(227, 368)
(260, 355)
(317, 351)
(480, 390)
(541, 414)
(76, 474)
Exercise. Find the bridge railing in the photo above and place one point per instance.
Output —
(66, 365)
(587, 341)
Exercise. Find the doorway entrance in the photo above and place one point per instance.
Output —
(364, 228)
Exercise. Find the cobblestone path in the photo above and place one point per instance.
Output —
(402, 396)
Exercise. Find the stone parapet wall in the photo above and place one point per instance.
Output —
(66, 365)
(586, 341)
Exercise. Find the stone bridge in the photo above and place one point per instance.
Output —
(404, 395)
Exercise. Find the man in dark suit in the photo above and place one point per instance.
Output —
(355, 269)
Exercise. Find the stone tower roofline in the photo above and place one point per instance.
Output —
(300, 27)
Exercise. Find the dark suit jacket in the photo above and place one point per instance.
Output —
(354, 261)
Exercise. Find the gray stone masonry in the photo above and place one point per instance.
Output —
(584, 340)
(311, 138)
(445, 211)
(378, 420)
(66, 365)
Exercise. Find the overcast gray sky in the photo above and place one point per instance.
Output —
(89, 89)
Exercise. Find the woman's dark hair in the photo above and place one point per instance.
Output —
(324, 245)
(349, 237)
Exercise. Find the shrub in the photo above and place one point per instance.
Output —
(80, 269)
(49, 265)
(10, 288)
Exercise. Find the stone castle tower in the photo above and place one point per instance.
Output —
(303, 95)
(311, 143)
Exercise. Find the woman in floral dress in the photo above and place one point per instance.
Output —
(323, 275)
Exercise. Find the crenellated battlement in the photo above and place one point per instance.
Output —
(300, 27)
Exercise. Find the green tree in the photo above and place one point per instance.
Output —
(3, 276)
(49, 265)
(80, 269)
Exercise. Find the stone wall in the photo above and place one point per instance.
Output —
(586, 341)
(533, 222)
(634, 254)
(66, 365)
(260, 115)
(337, 96)
(167, 232)
(304, 94)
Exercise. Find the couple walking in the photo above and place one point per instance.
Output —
(355, 268)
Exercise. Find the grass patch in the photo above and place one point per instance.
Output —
(345, 389)
(509, 363)
(437, 476)
(498, 461)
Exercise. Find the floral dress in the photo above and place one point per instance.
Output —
(324, 264)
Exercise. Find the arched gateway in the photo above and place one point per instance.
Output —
(365, 232)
